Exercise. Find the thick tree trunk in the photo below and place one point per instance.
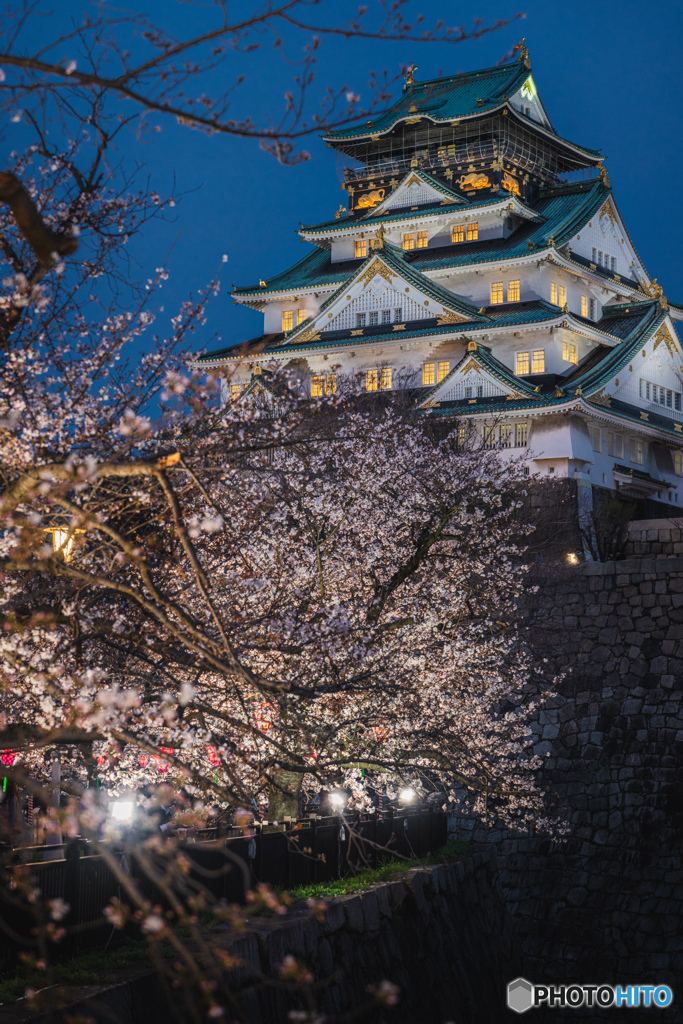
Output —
(283, 796)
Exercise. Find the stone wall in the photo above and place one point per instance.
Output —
(650, 537)
(606, 905)
(441, 934)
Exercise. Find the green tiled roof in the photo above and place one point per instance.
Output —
(643, 323)
(488, 361)
(316, 268)
(564, 211)
(517, 315)
(409, 214)
(443, 99)
(469, 94)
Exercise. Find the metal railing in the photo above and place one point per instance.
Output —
(285, 855)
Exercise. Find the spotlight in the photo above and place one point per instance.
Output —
(407, 795)
(337, 800)
(122, 810)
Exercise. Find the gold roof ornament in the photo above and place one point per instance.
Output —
(604, 175)
(378, 240)
(340, 212)
(523, 53)
(471, 346)
(410, 75)
(262, 283)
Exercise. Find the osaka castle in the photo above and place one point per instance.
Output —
(481, 266)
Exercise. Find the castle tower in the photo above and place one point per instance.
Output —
(482, 268)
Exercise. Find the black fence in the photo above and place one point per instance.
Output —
(308, 851)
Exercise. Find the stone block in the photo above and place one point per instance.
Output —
(353, 908)
(371, 916)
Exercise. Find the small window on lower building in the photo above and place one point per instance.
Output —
(637, 452)
(489, 437)
(678, 463)
(593, 309)
(521, 433)
(521, 363)
(596, 438)
(317, 387)
(562, 297)
(615, 445)
(538, 361)
(584, 306)
(553, 292)
(409, 241)
(428, 373)
(458, 233)
(569, 352)
(473, 232)
(287, 319)
(496, 293)
(422, 240)
(398, 315)
(373, 318)
(235, 391)
(385, 378)
(386, 316)
(513, 291)
(371, 377)
(361, 319)
(301, 315)
(361, 249)
(505, 435)
(613, 264)
(442, 369)
(461, 436)
(331, 384)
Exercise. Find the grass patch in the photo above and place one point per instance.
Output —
(93, 968)
(371, 876)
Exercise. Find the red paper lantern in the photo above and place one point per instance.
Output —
(264, 715)
(7, 758)
(161, 768)
(213, 757)
(144, 760)
(101, 760)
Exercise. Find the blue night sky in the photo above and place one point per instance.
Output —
(608, 74)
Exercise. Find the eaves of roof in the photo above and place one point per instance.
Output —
(444, 99)
(518, 315)
(564, 212)
(620, 410)
(457, 97)
(350, 225)
(563, 215)
(596, 377)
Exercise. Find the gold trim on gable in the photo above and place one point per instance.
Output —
(375, 268)
(608, 211)
(601, 399)
(311, 333)
(471, 365)
(664, 335)
(449, 317)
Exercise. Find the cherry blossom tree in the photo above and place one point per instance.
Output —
(272, 596)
